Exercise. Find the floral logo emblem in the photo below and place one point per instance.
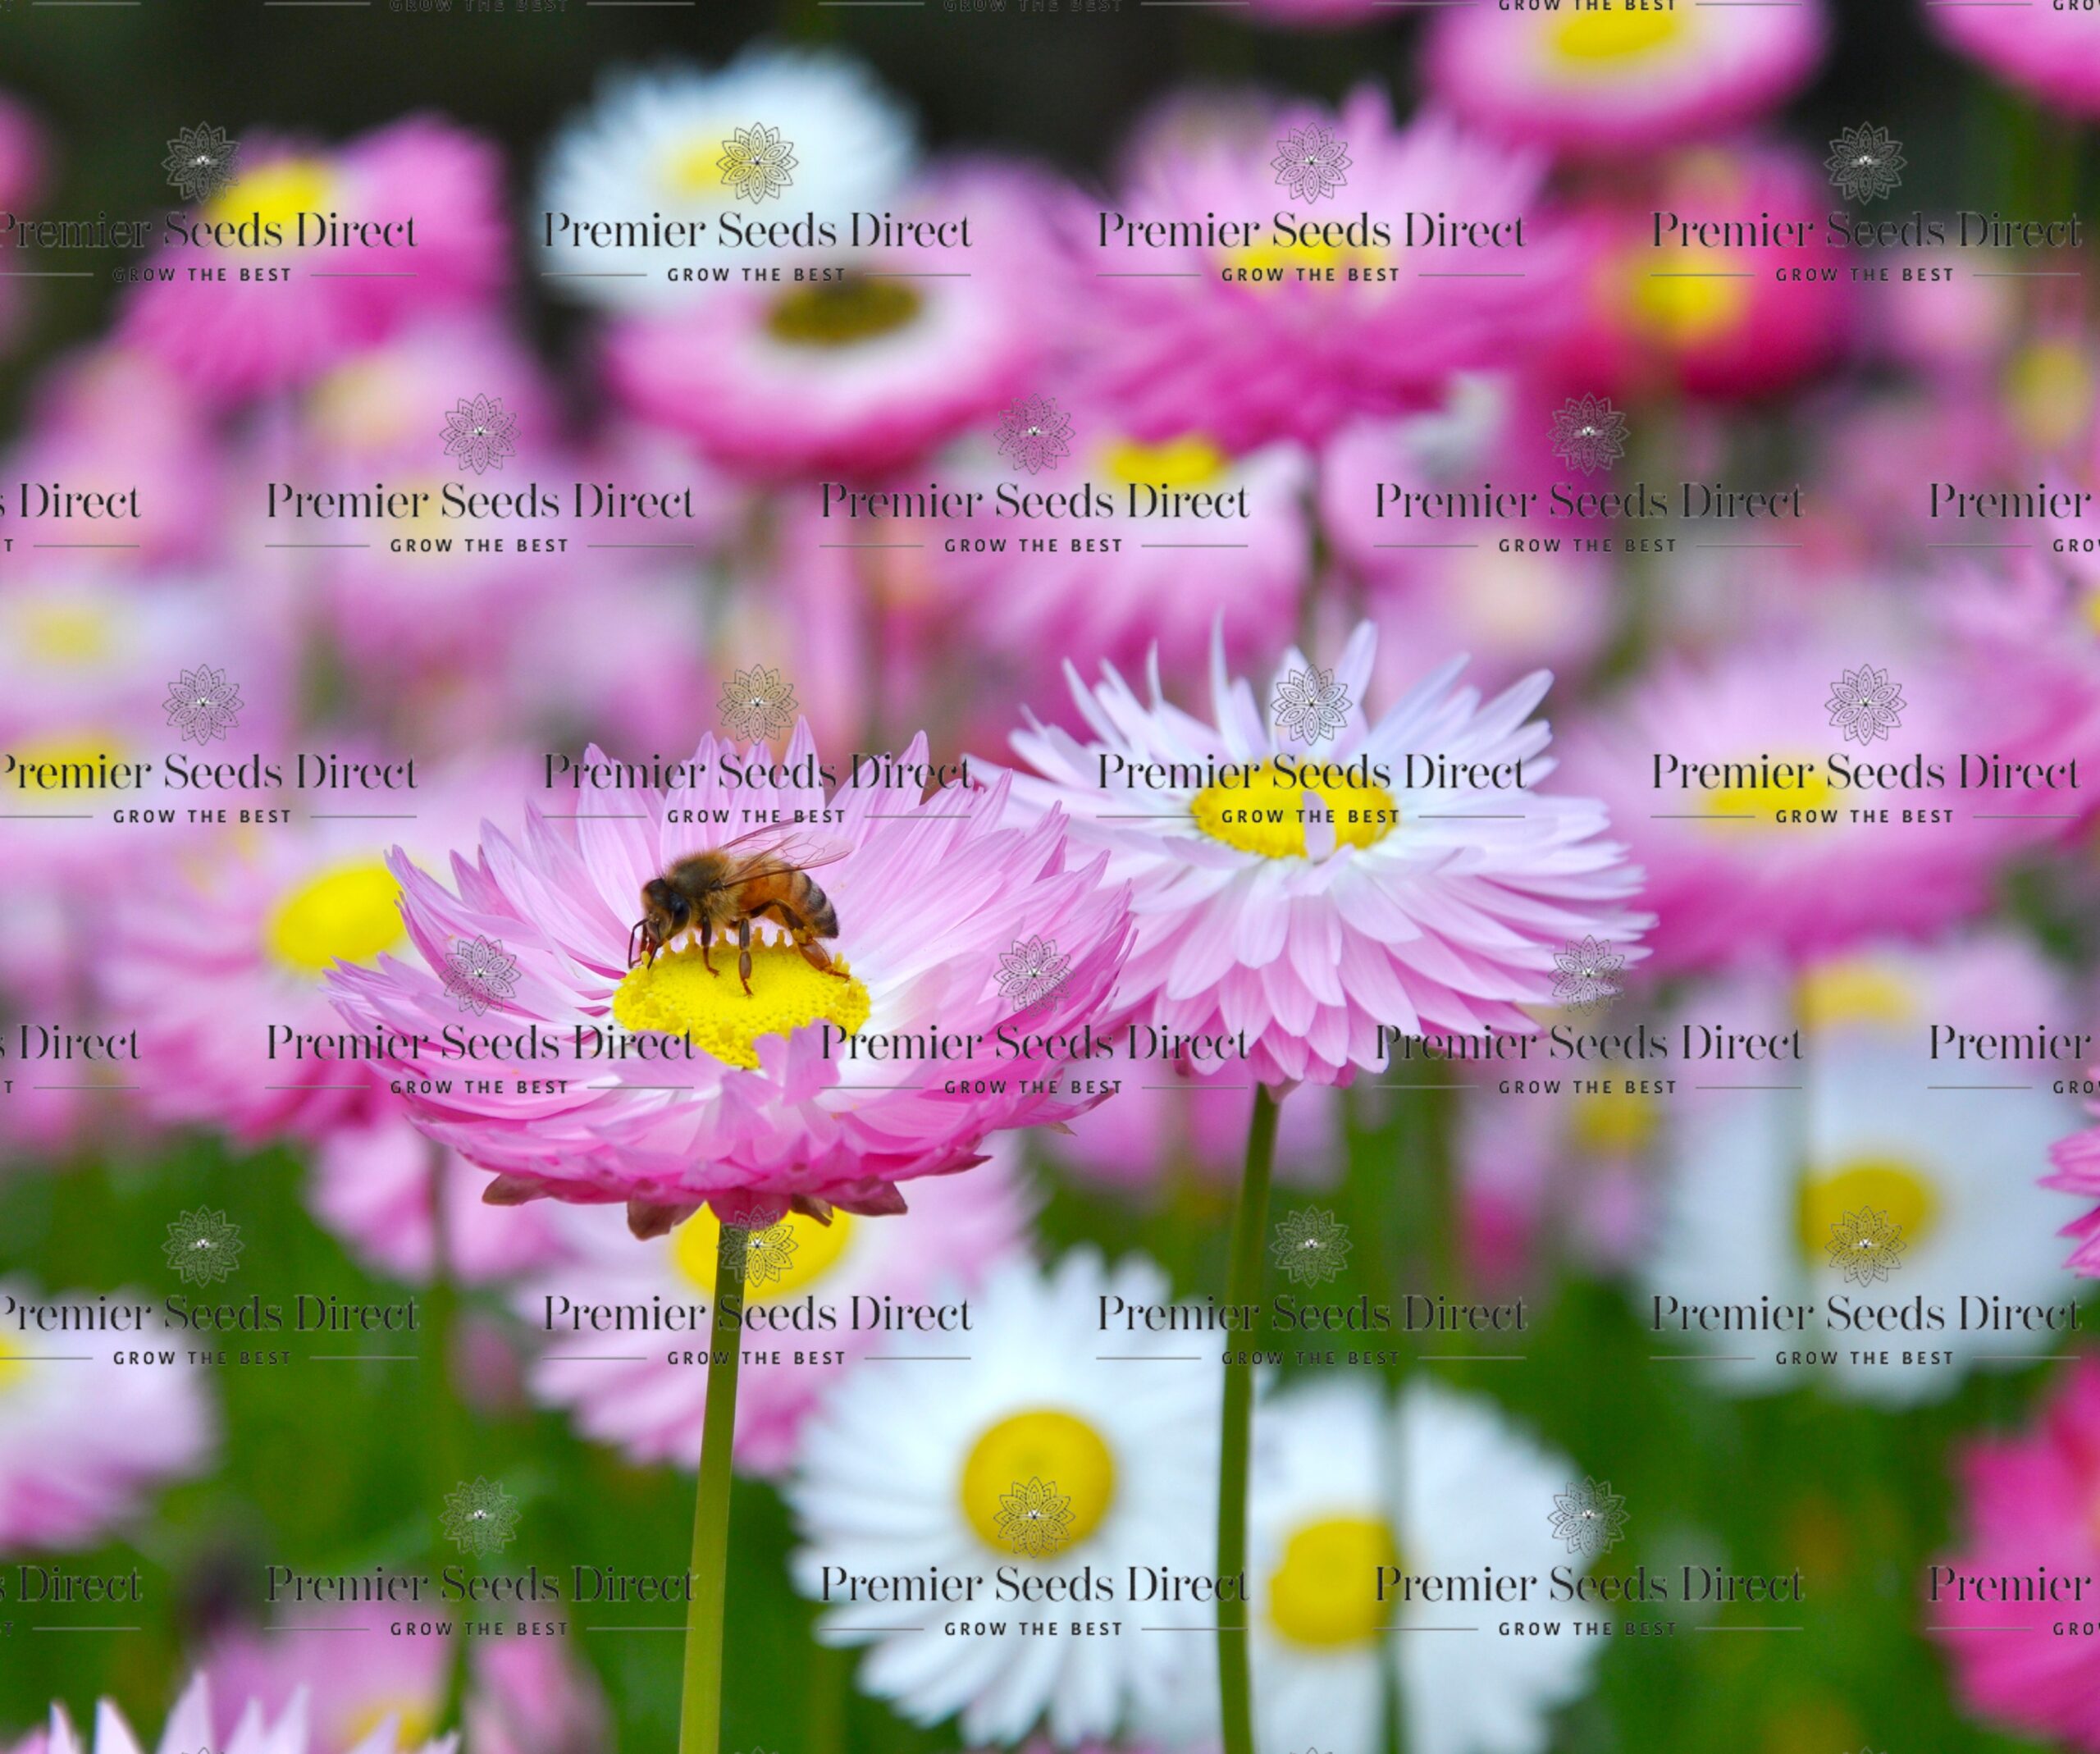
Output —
(1864, 164)
(1866, 705)
(200, 162)
(1589, 434)
(478, 971)
(1031, 972)
(1866, 1245)
(1589, 1516)
(1033, 432)
(479, 433)
(480, 1518)
(1586, 974)
(1310, 706)
(202, 1247)
(1035, 1518)
(203, 705)
(1310, 1247)
(768, 1255)
(756, 162)
(757, 704)
(1311, 162)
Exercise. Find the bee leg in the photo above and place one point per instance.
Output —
(817, 957)
(744, 953)
(706, 938)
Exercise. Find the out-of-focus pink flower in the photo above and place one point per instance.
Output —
(84, 1440)
(348, 288)
(1252, 343)
(2028, 1506)
(2052, 52)
(1307, 913)
(188, 1728)
(1599, 84)
(839, 1283)
(746, 1100)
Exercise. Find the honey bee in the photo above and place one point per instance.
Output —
(726, 888)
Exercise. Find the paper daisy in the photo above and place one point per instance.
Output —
(257, 1730)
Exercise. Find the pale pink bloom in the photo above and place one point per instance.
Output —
(2027, 1505)
(1247, 358)
(2051, 50)
(1600, 84)
(1308, 918)
(958, 1229)
(255, 1730)
(339, 293)
(85, 1441)
(764, 1109)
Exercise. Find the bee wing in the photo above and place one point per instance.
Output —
(775, 849)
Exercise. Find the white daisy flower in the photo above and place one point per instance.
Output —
(917, 1465)
(1445, 1483)
(1932, 1192)
(650, 151)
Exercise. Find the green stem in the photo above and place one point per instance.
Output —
(699, 1719)
(442, 1309)
(1243, 1286)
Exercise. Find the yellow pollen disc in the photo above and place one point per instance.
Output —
(1326, 1592)
(818, 1247)
(1593, 37)
(677, 995)
(417, 1719)
(1190, 461)
(276, 194)
(1613, 1125)
(13, 1368)
(1853, 989)
(1269, 814)
(350, 914)
(1681, 297)
(1059, 1448)
(2049, 388)
(83, 750)
(1900, 1191)
(842, 313)
(64, 632)
(694, 168)
(1761, 804)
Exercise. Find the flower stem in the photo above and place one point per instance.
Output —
(700, 1717)
(1242, 1286)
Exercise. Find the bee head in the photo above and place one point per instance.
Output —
(664, 914)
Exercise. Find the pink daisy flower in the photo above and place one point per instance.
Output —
(1603, 84)
(2029, 1499)
(82, 1441)
(1310, 913)
(958, 1229)
(1204, 329)
(2052, 51)
(343, 293)
(256, 1730)
(763, 1109)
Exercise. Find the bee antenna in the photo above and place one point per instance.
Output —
(634, 932)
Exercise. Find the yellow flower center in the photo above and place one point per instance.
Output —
(350, 914)
(1683, 297)
(678, 995)
(71, 633)
(83, 750)
(694, 168)
(277, 194)
(1614, 1124)
(1190, 461)
(2050, 389)
(1761, 804)
(1324, 1593)
(1853, 989)
(1619, 35)
(816, 1249)
(1269, 814)
(842, 313)
(416, 1720)
(13, 1367)
(1059, 1448)
(1900, 1191)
